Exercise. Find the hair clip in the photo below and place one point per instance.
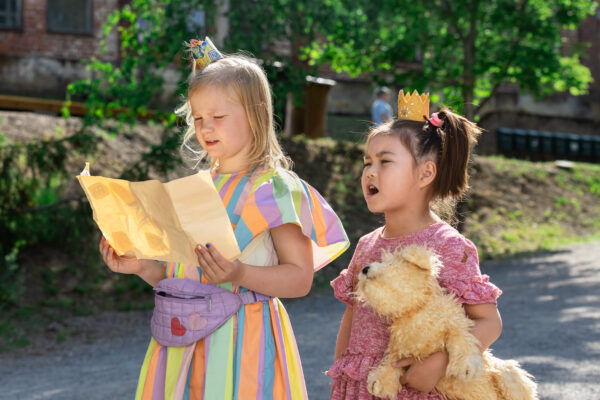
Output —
(204, 52)
(435, 120)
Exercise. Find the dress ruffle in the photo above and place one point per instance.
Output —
(350, 372)
(275, 197)
(353, 365)
(342, 287)
(475, 290)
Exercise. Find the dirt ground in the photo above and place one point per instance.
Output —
(549, 307)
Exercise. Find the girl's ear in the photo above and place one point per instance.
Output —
(427, 173)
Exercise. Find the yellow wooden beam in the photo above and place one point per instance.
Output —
(35, 104)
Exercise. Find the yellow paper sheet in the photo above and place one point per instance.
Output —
(161, 221)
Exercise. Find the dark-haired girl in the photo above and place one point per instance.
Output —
(409, 166)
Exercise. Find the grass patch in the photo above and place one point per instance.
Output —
(520, 237)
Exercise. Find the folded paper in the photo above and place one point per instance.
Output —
(161, 221)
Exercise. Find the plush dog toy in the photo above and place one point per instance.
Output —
(403, 288)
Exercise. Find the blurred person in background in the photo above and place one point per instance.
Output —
(381, 111)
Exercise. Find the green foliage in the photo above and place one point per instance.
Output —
(11, 276)
(462, 50)
(152, 35)
(594, 183)
(32, 177)
(280, 32)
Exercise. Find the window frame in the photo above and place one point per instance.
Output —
(19, 27)
(89, 16)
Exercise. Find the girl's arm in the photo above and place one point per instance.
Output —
(150, 271)
(488, 324)
(343, 336)
(292, 277)
(424, 375)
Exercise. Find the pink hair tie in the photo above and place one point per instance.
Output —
(436, 120)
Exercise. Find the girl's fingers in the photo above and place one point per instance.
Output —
(404, 362)
(210, 259)
(212, 250)
(204, 265)
(224, 264)
(203, 258)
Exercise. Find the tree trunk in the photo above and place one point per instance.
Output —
(468, 86)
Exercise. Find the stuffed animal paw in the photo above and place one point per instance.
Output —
(467, 369)
(384, 381)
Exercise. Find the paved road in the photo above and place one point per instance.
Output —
(550, 308)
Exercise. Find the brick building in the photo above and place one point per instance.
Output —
(42, 43)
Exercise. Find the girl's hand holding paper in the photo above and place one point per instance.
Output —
(121, 264)
(216, 268)
(158, 221)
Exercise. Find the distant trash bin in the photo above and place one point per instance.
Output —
(534, 141)
(505, 140)
(596, 148)
(573, 145)
(561, 144)
(520, 140)
(586, 147)
(547, 142)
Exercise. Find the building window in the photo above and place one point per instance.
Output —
(70, 16)
(10, 14)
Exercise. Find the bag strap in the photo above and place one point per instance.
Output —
(251, 297)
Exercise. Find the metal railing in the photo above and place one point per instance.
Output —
(544, 145)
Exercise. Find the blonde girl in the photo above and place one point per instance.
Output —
(284, 228)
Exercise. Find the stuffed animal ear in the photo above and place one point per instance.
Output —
(421, 256)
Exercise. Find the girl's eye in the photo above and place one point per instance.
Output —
(366, 165)
(219, 117)
(385, 161)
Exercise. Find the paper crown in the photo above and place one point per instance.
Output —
(204, 52)
(414, 107)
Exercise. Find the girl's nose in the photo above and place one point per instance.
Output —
(206, 126)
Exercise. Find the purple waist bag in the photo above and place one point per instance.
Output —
(185, 311)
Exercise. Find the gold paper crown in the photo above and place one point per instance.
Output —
(413, 106)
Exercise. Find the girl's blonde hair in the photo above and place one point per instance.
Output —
(251, 87)
(449, 146)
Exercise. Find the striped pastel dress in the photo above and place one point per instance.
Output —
(254, 354)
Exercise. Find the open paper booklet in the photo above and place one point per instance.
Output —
(160, 221)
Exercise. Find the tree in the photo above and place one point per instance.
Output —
(151, 38)
(152, 35)
(279, 32)
(463, 50)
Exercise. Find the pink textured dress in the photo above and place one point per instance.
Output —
(369, 334)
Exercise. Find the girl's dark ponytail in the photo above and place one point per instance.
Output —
(457, 136)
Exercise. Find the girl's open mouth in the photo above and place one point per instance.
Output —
(211, 142)
(372, 190)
